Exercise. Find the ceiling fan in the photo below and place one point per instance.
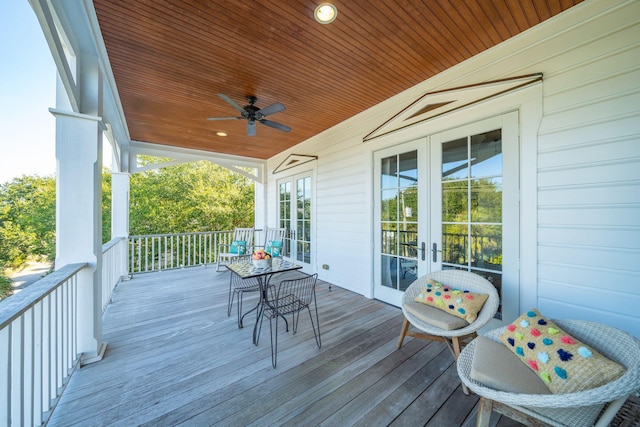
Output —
(253, 114)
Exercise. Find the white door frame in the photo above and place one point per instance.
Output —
(310, 267)
(430, 229)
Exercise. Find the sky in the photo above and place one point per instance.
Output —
(27, 91)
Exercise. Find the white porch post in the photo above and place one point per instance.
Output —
(120, 204)
(260, 206)
(79, 219)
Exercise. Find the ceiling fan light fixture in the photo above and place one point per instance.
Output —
(221, 133)
(325, 13)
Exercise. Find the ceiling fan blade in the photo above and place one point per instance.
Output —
(224, 118)
(271, 109)
(251, 128)
(231, 102)
(275, 125)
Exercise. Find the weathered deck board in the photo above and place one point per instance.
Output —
(175, 358)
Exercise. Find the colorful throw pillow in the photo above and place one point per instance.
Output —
(274, 247)
(459, 302)
(565, 364)
(238, 247)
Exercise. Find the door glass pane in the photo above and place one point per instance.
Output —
(389, 172)
(486, 200)
(455, 159)
(389, 205)
(285, 213)
(303, 219)
(486, 154)
(399, 219)
(486, 246)
(455, 239)
(472, 205)
(455, 205)
(389, 238)
(408, 169)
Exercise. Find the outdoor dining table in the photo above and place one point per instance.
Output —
(246, 270)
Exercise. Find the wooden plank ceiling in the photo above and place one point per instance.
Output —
(171, 57)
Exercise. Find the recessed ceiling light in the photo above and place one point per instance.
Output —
(325, 13)
(220, 133)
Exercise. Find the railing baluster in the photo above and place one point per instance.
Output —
(36, 385)
(174, 250)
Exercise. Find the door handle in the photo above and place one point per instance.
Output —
(435, 251)
(422, 249)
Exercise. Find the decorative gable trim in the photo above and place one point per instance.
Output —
(294, 160)
(437, 103)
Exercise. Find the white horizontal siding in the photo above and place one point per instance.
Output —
(589, 176)
(342, 216)
(585, 255)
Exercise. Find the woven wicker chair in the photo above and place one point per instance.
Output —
(583, 408)
(455, 339)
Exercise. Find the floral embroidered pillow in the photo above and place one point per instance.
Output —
(565, 364)
(458, 302)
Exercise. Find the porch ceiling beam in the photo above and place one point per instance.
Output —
(182, 155)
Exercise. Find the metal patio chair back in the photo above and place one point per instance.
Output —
(290, 297)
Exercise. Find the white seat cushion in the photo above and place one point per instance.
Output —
(435, 316)
(497, 367)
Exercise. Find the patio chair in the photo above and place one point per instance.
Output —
(274, 242)
(242, 243)
(239, 286)
(290, 297)
(596, 406)
(435, 324)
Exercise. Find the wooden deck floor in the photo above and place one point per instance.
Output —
(175, 358)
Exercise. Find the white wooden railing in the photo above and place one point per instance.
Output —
(38, 346)
(39, 335)
(114, 267)
(39, 325)
(156, 252)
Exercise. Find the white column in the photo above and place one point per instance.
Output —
(119, 204)
(79, 219)
(260, 206)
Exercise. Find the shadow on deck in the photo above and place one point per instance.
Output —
(175, 358)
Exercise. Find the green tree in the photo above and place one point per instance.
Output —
(191, 197)
(27, 219)
(198, 196)
(5, 286)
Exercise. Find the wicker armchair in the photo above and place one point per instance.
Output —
(583, 408)
(228, 250)
(455, 338)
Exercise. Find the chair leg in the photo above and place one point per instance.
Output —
(484, 412)
(274, 342)
(258, 328)
(403, 332)
(318, 338)
(218, 263)
(455, 343)
(232, 293)
(240, 310)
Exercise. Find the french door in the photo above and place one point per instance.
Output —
(295, 212)
(449, 201)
